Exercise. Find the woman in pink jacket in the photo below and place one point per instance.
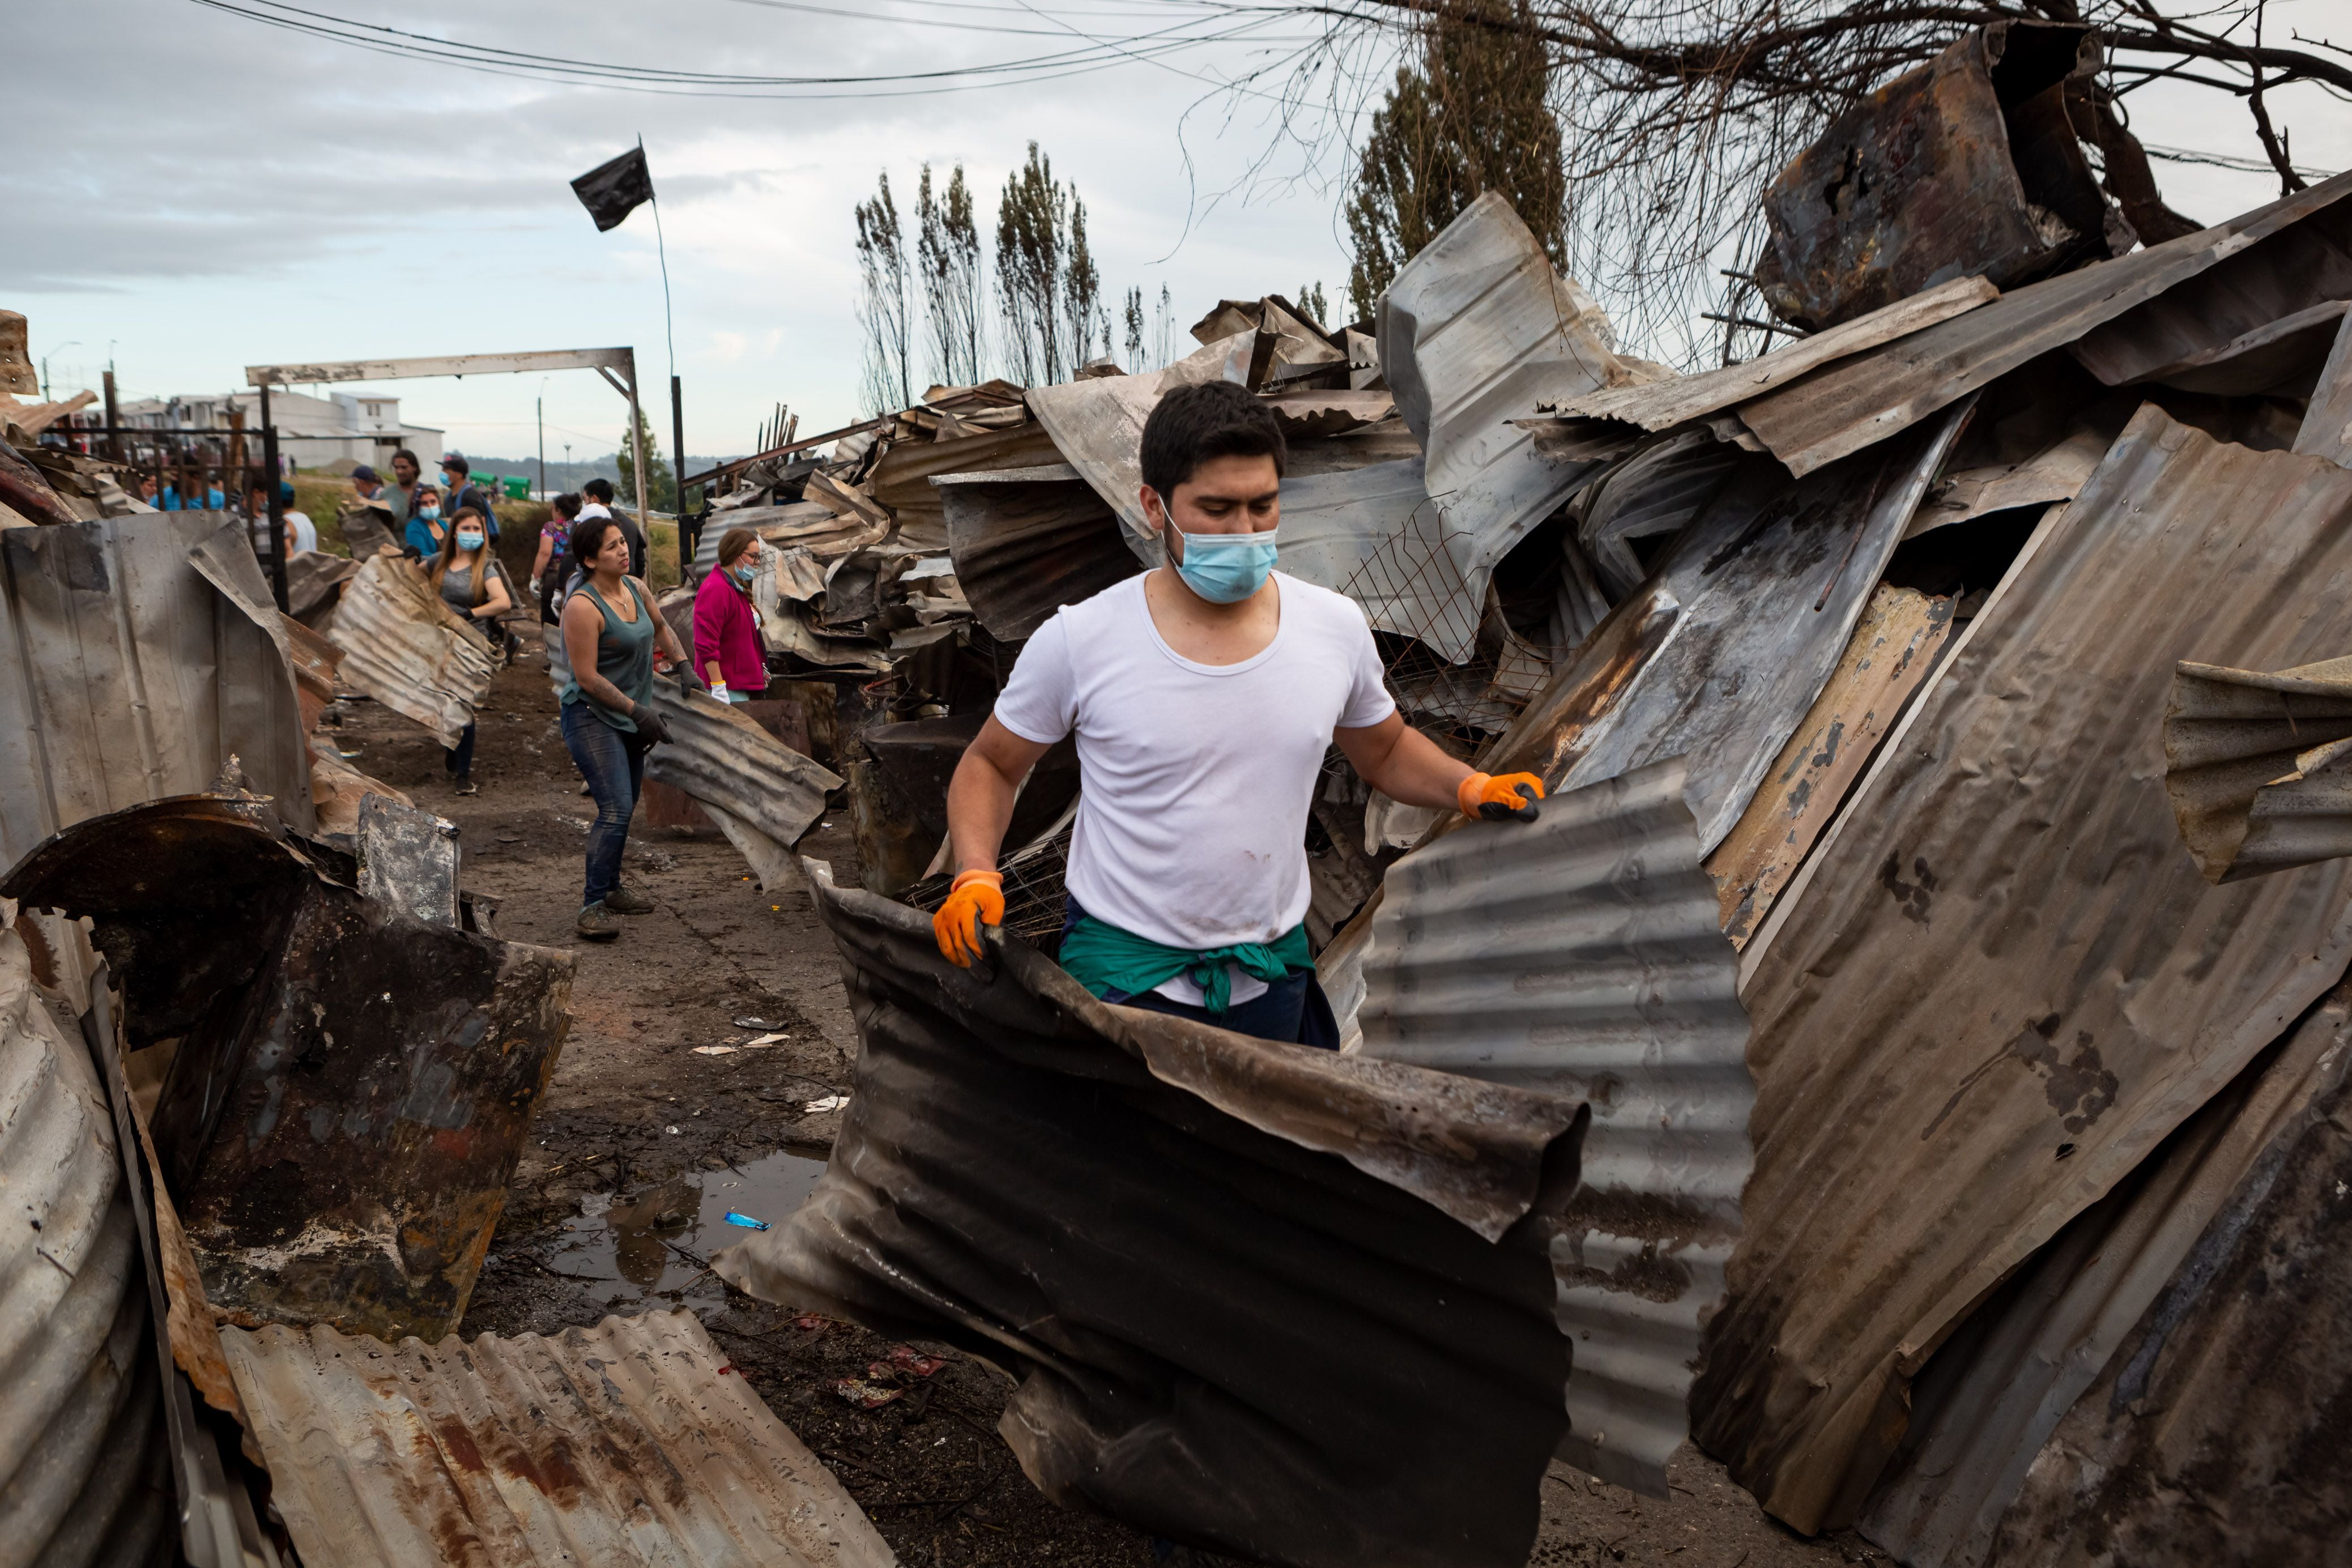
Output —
(727, 624)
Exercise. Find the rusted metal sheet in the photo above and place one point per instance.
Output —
(2056, 473)
(2215, 1435)
(1027, 542)
(1281, 1303)
(1866, 398)
(2259, 767)
(1476, 332)
(408, 651)
(1990, 1398)
(1655, 493)
(2280, 358)
(762, 794)
(351, 1088)
(632, 1442)
(1894, 648)
(83, 1471)
(129, 675)
(1964, 167)
(1582, 955)
(2326, 428)
(1306, 415)
(1999, 974)
(902, 478)
(16, 372)
(1096, 425)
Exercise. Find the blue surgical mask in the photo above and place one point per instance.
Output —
(1226, 568)
(467, 540)
(744, 572)
(430, 513)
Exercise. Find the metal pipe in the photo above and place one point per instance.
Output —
(677, 467)
(275, 508)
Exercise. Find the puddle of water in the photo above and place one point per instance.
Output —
(634, 1253)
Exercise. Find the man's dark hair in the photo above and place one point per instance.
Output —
(457, 460)
(599, 490)
(413, 463)
(1199, 424)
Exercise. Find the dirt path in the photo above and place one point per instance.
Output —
(639, 1124)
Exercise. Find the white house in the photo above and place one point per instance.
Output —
(336, 432)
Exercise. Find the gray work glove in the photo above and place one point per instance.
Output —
(650, 724)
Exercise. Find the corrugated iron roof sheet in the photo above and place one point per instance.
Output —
(1583, 955)
(903, 477)
(2257, 765)
(2326, 428)
(129, 675)
(761, 793)
(632, 1442)
(2070, 988)
(1025, 542)
(406, 648)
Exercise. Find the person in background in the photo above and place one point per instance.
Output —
(422, 536)
(301, 533)
(470, 582)
(368, 486)
(458, 488)
(727, 647)
(610, 632)
(400, 496)
(150, 490)
(554, 552)
(597, 501)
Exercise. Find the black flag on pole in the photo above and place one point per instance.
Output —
(611, 192)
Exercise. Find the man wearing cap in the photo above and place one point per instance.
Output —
(457, 489)
(1204, 695)
(366, 522)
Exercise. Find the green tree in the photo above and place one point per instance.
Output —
(885, 306)
(661, 484)
(1468, 115)
(1032, 236)
(1082, 311)
(947, 253)
(1313, 305)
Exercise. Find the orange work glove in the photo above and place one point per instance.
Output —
(1511, 797)
(976, 899)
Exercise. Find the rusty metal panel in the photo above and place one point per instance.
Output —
(1374, 534)
(903, 476)
(1865, 398)
(1956, 169)
(82, 1468)
(632, 1442)
(2257, 766)
(131, 675)
(1583, 955)
(1025, 542)
(408, 651)
(761, 793)
(1658, 491)
(2326, 428)
(2215, 1436)
(1281, 1303)
(1983, 1408)
(1895, 646)
(350, 1090)
(2000, 976)
(2227, 310)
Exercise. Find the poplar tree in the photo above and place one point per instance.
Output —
(884, 304)
(947, 249)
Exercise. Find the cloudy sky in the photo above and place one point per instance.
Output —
(191, 192)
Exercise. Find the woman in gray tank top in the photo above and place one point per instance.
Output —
(471, 584)
(610, 632)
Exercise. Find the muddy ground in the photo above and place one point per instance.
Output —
(640, 1126)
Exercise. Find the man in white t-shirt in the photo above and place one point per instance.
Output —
(1204, 695)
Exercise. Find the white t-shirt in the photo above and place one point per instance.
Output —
(1195, 779)
(306, 533)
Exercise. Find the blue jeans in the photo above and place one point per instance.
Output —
(613, 763)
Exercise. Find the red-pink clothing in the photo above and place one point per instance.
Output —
(726, 629)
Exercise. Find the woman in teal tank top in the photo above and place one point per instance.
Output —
(610, 632)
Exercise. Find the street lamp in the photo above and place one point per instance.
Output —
(68, 343)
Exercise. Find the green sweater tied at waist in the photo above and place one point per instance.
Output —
(1102, 958)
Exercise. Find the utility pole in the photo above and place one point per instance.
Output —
(541, 403)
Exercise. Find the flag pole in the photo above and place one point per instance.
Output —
(676, 404)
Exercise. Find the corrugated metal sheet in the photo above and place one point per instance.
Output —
(1894, 648)
(1098, 425)
(1999, 974)
(1583, 955)
(1374, 534)
(1994, 1394)
(81, 1478)
(632, 1442)
(406, 648)
(761, 793)
(1865, 398)
(131, 675)
(1288, 1305)
(2259, 767)
(902, 478)
(1475, 331)
(2216, 1434)
(1025, 542)
(1658, 491)
(2326, 428)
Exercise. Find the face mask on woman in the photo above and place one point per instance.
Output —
(745, 571)
(470, 539)
(430, 513)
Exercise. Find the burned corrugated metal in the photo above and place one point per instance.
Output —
(1985, 1405)
(350, 1088)
(408, 651)
(1281, 1303)
(408, 859)
(761, 793)
(2215, 1436)
(904, 476)
(1965, 166)
(1025, 542)
(2071, 988)
(916, 759)
(2259, 767)
(1583, 955)
(83, 1474)
(1374, 534)
(1475, 332)
(1894, 647)
(632, 1442)
(2326, 428)
(1866, 398)
(132, 676)
(1656, 491)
